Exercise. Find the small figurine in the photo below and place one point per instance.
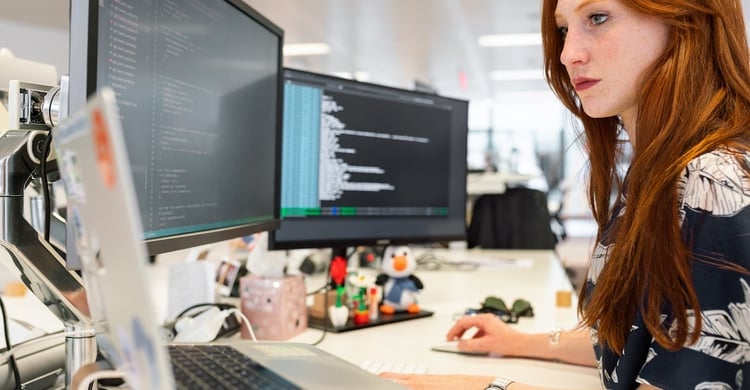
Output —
(400, 286)
(360, 283)
(339, 313)
(337, 271)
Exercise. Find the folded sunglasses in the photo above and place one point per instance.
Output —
(496, 306)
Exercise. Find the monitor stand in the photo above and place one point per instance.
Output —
(337, 276)
(32, 259)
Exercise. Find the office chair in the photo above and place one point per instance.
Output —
(552, 164)
(519, 218)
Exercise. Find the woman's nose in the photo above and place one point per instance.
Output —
(574, 49)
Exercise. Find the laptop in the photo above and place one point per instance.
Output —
(94, 165)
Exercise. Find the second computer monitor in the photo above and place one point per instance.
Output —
(365, 164)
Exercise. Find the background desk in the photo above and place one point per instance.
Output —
(536, 278)
(493, 182)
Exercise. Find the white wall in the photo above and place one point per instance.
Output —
(36, 43)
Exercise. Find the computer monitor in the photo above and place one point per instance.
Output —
(366, 164)
(199, 89)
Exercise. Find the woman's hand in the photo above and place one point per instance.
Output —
(492, 336)
(429, 381)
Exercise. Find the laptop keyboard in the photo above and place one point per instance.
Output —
(221, 367)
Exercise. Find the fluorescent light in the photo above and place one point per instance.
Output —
(506, 40)
(306, 49)
(343, 75)
(516, 74)
(358, 75)
(361, 75)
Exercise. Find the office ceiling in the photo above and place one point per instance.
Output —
(395, 42)
(392, 42)
(398, 42)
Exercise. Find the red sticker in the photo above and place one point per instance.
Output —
(103, 145)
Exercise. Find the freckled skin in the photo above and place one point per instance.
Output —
(614, 46)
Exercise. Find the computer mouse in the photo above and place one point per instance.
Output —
(452, 346)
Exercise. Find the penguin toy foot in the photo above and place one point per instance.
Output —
(387, 309)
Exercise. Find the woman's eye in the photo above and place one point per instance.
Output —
(598, 18)
(563, 31)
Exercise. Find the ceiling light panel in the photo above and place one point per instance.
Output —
(510, 40)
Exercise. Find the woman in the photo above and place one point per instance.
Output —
(674, 232)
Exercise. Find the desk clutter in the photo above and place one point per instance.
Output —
(357, 300)
(334, 311)
(324, 322)
(276, 307)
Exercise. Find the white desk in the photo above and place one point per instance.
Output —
(449, 293)
(492, 182)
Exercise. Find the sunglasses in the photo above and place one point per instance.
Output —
(496, 306)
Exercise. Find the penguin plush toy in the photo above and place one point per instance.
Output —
(400, 285)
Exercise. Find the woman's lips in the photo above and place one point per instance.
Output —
(582, 84)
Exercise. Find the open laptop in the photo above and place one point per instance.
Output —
(94, 165)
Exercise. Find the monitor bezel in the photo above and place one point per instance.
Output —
(84, 16)
(275, 243)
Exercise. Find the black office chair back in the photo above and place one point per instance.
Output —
(516, 219)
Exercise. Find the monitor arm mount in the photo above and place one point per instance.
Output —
(35, 261)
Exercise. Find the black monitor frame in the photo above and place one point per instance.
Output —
(83, 83)
(423, 229)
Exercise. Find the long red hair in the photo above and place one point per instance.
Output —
(695, 98)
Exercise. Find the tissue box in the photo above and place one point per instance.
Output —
(276, 307)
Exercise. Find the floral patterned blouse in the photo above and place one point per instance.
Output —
(714, 208)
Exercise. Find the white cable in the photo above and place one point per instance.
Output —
(245, 321)
(96, 375)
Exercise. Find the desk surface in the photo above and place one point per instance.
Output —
(533, 275)
(448, 293)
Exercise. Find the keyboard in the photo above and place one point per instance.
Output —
(378, 366)
(221, 367)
